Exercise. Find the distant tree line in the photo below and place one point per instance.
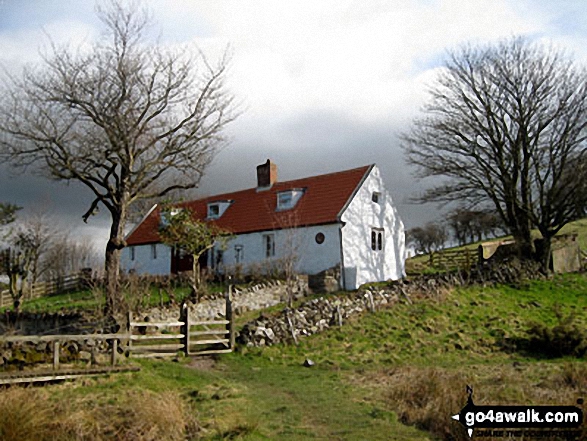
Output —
(462, 225)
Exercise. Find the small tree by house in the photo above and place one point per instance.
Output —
(181, 230)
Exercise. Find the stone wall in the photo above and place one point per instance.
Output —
(260, 296)
(319, 314)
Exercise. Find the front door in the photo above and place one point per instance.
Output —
(182, 261)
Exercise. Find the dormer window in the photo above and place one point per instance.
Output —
(289, 198)
(213, 211)
(166, 216)
(375, 197)
(217, 208)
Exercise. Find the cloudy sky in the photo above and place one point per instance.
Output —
(324, 85)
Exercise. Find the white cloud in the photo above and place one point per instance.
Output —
(357, 58)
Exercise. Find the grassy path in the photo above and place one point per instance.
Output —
(298, 403)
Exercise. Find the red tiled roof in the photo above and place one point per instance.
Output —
(324, 198)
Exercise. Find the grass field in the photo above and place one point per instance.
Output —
(397, 374)
(419, 264)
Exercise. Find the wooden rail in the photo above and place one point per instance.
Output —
(56, 341)
(193, 338)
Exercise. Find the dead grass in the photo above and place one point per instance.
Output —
(426, 397)
(29, 414)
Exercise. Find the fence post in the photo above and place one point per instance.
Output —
(184, 316)
(114, 352)
(129, 332)
(229, 316)
(56, 355)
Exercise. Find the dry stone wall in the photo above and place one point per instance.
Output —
(319, 314)
(260, 296)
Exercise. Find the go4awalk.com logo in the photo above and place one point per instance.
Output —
(563, 418)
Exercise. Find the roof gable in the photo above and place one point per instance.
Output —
(324, 198)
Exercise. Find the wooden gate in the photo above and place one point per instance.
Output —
(185, 335)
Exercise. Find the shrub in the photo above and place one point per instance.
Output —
(566, 338)
(426, 398)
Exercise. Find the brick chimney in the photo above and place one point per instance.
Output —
(266, 175)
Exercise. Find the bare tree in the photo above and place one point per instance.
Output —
(289, 223)
(7, 213)
(427, 239)
(503, 125)
(473, 225)
(119, 118)
(67, 255)
(40, 231)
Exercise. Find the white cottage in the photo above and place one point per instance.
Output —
(344, 219)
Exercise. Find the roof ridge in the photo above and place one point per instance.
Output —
(220, 195)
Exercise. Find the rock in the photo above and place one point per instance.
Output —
(270, 334)
(85, 356)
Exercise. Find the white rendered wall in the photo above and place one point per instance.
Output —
(312, 257)
(144, 262)
(362, 264)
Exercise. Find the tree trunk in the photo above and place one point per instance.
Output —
(545, 253)
(112, 263)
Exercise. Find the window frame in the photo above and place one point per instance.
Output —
(377, 239)
(239, 253)
(269, 245)
(215, 207)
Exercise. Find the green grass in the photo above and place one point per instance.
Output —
(395, 374)
(88, 300)
(419, 264)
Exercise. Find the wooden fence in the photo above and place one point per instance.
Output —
(141, 340)
(50, 287)
(450, 259)
(57, 372)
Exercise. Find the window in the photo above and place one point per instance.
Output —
(213, 211)
(377, 239)
(289, 198)
(284, 200)
(239, 253)
(269, 244)
(375, 197)
(217, 208)
(164, 217)
(216, 257)
(154, 251)
(132, 253)
(320, 238)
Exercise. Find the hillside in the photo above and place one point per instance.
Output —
(396, 374)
